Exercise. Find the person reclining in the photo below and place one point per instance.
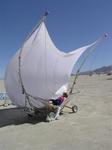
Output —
(57, 102)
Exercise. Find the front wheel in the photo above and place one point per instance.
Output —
(74, 109)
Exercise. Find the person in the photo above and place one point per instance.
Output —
(57, 102)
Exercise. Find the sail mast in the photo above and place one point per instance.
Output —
(101, 39)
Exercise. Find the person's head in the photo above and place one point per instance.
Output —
(65, 94)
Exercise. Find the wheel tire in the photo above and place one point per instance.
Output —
(52, 114)
(74, 109)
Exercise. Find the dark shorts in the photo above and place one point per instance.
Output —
(56, 102)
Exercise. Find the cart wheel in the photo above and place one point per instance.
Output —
(74, 109)
(52, 115)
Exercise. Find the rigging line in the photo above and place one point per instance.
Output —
(36, 26)
(20, 53)
(101, 39)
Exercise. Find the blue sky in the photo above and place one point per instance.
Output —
(71, 24)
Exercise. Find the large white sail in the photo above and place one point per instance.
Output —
(45, 70)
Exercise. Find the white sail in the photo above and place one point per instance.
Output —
(45, 70)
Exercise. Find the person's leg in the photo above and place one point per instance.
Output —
(57, 112)
(56, 103)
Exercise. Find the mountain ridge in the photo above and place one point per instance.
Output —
(101, 70)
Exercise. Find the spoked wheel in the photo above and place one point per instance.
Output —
(52, 114)
(74, 108)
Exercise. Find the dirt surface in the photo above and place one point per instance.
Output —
(88, 129)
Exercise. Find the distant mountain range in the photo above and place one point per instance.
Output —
(103, 70)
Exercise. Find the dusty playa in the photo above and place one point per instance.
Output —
(89, 129)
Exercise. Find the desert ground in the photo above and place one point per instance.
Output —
(88, 129)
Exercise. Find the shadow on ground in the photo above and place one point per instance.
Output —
(16, 116)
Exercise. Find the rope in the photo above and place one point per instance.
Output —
(101, 39)
(27, 99)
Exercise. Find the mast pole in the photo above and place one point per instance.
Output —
(43, 18)
(101, 39)
(20, 53)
